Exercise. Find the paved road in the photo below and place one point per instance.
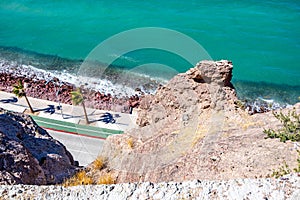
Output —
(70, 114)
(79, 129)
(84, 142)
(84, 149)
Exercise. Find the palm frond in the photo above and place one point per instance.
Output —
(18, 89)
(77, 96)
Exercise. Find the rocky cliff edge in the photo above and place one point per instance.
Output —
(193, 128)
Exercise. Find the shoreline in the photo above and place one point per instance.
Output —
(116, 78)
(107, 94)
(45, 86)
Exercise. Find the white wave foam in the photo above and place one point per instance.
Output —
(101, 85)
(262, 105)
(116, 56)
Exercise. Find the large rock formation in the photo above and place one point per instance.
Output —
(193, 128)
(28, 154)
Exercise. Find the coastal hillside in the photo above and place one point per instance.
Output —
(126, 100)
(195, 127)
(195, 140)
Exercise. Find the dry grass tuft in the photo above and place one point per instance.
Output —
(130, 143)
(99, 163)
(106, 179)
(80, 178)
(88, 176)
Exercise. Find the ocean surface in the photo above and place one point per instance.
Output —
(261, 38)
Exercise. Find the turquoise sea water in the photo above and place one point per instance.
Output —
(262, 38)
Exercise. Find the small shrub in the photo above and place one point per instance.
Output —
(80, 178)
(298, 160)
(290, 129)
(106, 179)
(240, 104)
(283, 170)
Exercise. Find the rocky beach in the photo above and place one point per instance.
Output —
(43, 85)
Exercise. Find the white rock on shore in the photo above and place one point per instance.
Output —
(287, 187)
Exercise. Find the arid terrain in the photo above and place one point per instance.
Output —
(195, 139)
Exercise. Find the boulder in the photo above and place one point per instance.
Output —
(29, 155)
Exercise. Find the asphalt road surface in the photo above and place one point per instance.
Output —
(83, 149)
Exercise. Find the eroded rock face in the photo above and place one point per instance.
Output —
(29, 155)
(192, 128)
(203, 86)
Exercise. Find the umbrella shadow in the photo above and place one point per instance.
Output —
(107, 118)
(50, 109)
(69, 116)
(10, 100)
(104, 117)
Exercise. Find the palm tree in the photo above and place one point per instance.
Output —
(19, 91)
(77, 99)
